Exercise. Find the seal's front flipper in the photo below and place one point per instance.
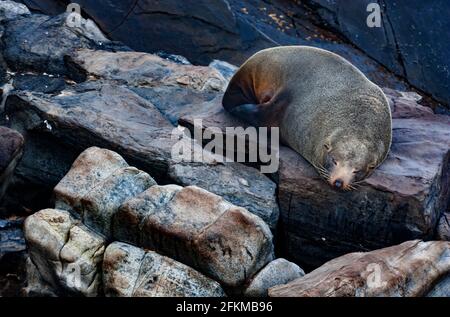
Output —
(251, 113)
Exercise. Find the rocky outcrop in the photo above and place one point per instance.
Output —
(132, 272)
(406, 270)
(10, 10)
(197, 228)
(67, 254)
(409, 41)
(228, 30)
(11, 147)
(403, 200)
(39, 43)
(92, 114)
(277, 272)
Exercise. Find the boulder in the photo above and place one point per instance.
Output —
(90, 168)
(241, 185)
(402, 200)
(35, 285)
(11, 10)
(406, 270)
(66, 254)
(39, 43)
(277, 272)
(199, 229)
(92, 114)
(129, 271)
(101, 203)
(142, 69)
(11, 147)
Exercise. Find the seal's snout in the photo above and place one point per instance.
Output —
(338, 183)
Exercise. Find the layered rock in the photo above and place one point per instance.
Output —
(277, 272)
(197, 228)
(132, 272)
(409, 39)
(39, 43)
(408, 269)
(403, 200)
(11, 147)
(66, 254)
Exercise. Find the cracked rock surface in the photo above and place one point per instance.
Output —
(133, 272)
(410, 269)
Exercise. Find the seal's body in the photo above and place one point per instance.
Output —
(326, 109)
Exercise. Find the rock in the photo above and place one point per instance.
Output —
(441, 289)
(277, 272)
(11, 10)
(11, 236)
(226, 69)
(67, 255)
(406, 270)
(36, 286)
(228, 30)
(38, 83)
(39, 43)
(92, 167)
(11, 147)
(401, 201)
(132, 272)
(101, 203)
(142, 69)
(443, 229)
(95, 114)
(409, 42)
(199, 229)
(241, 185)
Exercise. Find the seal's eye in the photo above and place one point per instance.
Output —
(356, 171)
(327, 147)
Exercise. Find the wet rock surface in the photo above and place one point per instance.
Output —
(133, 272)
(406, 270)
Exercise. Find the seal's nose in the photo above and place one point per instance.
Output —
(338, 183)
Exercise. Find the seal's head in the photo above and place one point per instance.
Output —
(348, 159)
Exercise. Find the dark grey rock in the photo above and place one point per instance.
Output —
(412, 41)
(39, 83)
(39, 42)
(10, 10)
(11, 147)
(11, 236)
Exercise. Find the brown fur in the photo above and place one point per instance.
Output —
(327, 110)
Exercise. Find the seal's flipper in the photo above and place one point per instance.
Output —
(251, 113)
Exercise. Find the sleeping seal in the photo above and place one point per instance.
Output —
(326, 109)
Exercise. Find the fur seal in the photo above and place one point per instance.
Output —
(327, 110)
